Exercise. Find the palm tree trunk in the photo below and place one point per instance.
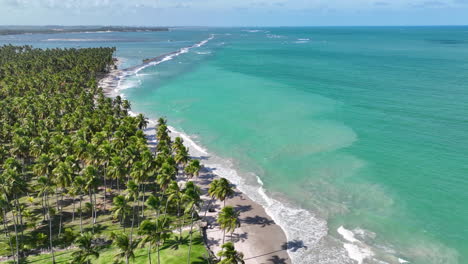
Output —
(143, 202)
(73, 214)
(181, 220)
(16, 236)
(81, 215)
(105, 188)
(208, 207)
(16, 232)
(92, 207)
(149, 253)
(126, 259)
(19, 219)
(61, 210)
(159, 260)
(190, 244)
(118, 186)
(7, 233)
(57, 198)
(167, 204)
(95, 211)
(133, 219)
(43, 208)
(224, 235)
(50, 234)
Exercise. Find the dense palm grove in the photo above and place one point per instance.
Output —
(74, 163)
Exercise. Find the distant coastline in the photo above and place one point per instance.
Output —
(18, 30)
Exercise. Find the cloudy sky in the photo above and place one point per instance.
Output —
(234, 12)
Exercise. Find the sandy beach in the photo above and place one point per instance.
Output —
(259, 238)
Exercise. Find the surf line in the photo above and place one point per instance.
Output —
(164, 57)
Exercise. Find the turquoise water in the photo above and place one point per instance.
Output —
(365, 128)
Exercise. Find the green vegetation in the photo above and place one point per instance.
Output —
(77, 178)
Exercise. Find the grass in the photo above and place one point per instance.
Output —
(105, 225)
(169, 255)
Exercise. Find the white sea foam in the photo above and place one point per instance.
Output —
(252, 30)
(273, 36)
(124, 74)
(347, 234)
(357, 250)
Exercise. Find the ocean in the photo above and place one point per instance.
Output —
(354, 139)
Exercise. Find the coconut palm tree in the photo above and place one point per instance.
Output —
(193, 168)
(141, 121)
(229, 254)
(228, 220)
(86, 249)
(212, 192)
(125, 246)
(121, 209)
(154, 203)
(90, 174)
(166, 174)
(63, 178)
(79, 184)
(192, 200)
(224, 190)
(154, 233)
(117, 170)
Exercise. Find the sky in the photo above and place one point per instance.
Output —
(234, 12)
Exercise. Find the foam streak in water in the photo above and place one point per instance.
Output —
(121, 75)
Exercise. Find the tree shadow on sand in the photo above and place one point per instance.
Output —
(243, 208)
(239, 237)
(294, 245)
(277, 260)
(258, 220)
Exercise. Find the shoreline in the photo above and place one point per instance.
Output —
(259, 237)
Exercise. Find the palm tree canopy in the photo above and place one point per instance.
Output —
(228, 219)
(230, 255)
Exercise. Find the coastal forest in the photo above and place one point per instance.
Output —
(79, 181)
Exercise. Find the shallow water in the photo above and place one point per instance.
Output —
(363, 127)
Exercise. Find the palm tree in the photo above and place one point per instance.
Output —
(212, 192)
(155, 233)
(175, 195)
(125, 245)
(117, 170)
(86, 249)
(231, 256)
(193, 168)
(141, 121)
(79, 184)
(4, 205)
(154, 203)
(166, 175)
(192, 201)
(121, 209)
(224, 190)
(133, 192)
(63, 178)
(90, 174)
(228, 220)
